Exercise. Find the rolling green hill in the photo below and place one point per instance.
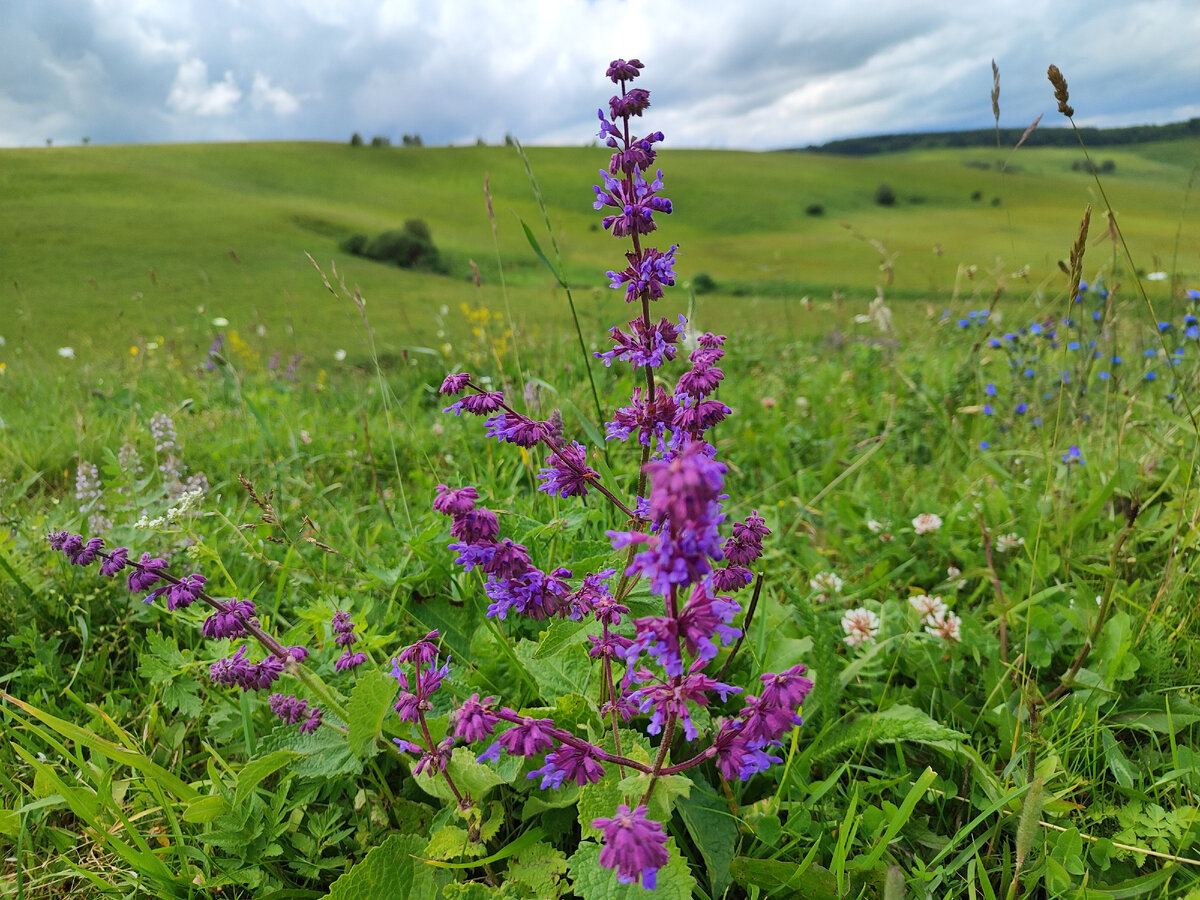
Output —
(106, 248)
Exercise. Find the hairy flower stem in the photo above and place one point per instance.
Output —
(268, 643)
(612, 700)
(664, 748)
(556, 449)
(571, 740)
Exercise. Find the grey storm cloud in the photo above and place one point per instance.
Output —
(757, 75)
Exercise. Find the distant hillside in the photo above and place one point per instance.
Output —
(986, 137)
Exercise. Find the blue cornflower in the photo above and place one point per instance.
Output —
(984, 445)
(1193, 332)
(1150, 352)
(1163, 326)
(1073, 456)
(990, 389)
(1074, 345)
(1103, 376)
(1021, 408)
(963, 323)
(1151, 376)
(1035, 328)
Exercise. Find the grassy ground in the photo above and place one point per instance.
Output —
(1051, 750)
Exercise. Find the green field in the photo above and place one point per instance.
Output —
(136, 243)
(1004, 705)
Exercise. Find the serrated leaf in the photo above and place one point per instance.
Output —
(540, 868)
(452, 842)
(388, 871)
(370, 702)
(469, 776)
(322, 754)
(896, 723)
(713, 829)
(568, 672)
(556, 638)
(597, 801)
(257, 769)
(594, 882)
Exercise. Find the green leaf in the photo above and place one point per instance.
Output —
(594, 882)
(1118, 763)
(896, 723)
(388, 871)
(370, 702)
(568, 672)
(561, 634)
(537, 249)
(469, 776)
(206, 809)
(322, 754)
(167, 780)
(811, 882)
(257, 769)
(713, 829)
(597, 801)
(452, 842)
(540, 868)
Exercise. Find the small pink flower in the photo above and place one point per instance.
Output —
(861, 626)
(946, 625)
(929, 607)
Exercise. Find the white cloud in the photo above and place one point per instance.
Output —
(192, 92)
(264, 94)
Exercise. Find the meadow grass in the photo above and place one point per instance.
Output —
(138, 243)
(944, 761)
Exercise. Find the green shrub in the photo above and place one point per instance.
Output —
(356, 140)
(814, 209)
(703, 283)
(884, 195)
(354, 244)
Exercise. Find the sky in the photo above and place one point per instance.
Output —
(756, 75)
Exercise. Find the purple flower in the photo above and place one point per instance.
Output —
(229, 622)
(343, 631)
(644, 345)
(529, 738)
(422, 652)
(619, 70)
(568, 473)
(145, 573)
(633, 845)
(455, 502)
(349, 660)
(477, 404)
(455, 383)
(730, 578)
(569, 763)
(116, 561)
(631, 103)
(474, 721)
(646, 276)
(185, 592)
(292, 710)
(477, 526)
(523, 431)
(650, 420)
(86, 554)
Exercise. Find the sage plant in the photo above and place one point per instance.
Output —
(654, 667)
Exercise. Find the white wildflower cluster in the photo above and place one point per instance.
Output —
(825, 583)
(187, 500)
(861, 627)
(927, 523)
(1007, 543)
(938, 620)
(880, 528)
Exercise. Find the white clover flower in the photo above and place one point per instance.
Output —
(861, 626)
(339, 354)
(875, 526)
(1006, 543)
(2, 341)
(220, 322)
(946, 626)
(66, 352)
(825, 581)
(929, 607)
(927, 523)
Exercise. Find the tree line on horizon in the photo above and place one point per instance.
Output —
(986, 137)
